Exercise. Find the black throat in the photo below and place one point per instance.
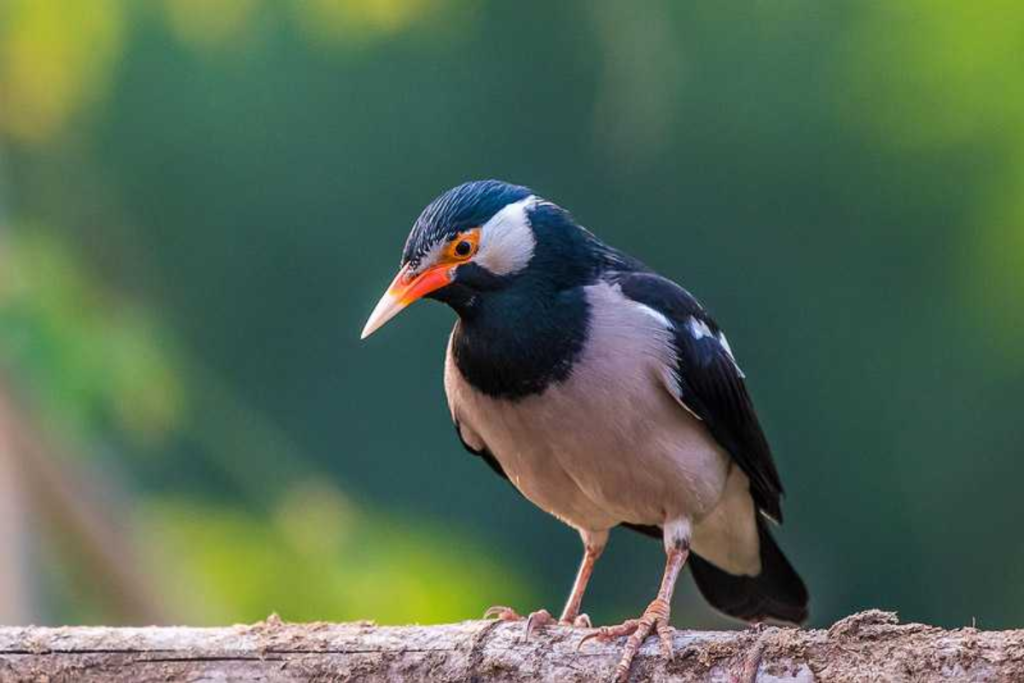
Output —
(518, 334)
(515, 343)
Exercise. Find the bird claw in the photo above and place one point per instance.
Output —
(581, 621)
(502, 613)
(539, 619)
(606, 634)
(655, 618)
(534, 620)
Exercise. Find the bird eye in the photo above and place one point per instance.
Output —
(461, 247)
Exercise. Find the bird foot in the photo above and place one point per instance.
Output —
(654, 618)
(539, 619)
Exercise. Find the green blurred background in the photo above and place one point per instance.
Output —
(200, 201)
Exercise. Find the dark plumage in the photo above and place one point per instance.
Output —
(466, 206)
(513, 341)
(711, 383)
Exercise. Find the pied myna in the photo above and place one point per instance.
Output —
(606, 394)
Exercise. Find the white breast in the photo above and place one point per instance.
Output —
(610, 444)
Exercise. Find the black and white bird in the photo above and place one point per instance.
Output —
(606, 395)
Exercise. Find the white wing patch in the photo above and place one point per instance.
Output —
(725, 344)
(728, 349)
(507, 241)
(700, 330)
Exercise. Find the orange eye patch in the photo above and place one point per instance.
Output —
(463, 247)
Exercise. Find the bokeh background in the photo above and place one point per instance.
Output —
(201, 200)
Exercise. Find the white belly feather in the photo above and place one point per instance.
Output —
(610, 444)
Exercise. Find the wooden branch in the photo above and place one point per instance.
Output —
(870, 646)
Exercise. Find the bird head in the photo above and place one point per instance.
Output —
(472, 240)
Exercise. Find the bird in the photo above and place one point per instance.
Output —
(607, 395)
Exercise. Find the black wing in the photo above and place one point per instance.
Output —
(711, 385)
(482, 453)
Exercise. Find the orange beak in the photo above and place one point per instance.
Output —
(404, 290)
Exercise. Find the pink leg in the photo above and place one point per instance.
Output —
(572, 608)
(655, 618)
(593, 546)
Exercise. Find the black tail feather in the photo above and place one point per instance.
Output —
(777, 593)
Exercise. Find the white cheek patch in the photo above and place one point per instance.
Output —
(507, 241)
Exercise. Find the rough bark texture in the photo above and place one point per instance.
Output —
(870, 646)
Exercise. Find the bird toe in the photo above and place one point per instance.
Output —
(582, 621)
(502, 613)
(538, 619)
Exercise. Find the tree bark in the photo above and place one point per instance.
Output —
(869, 646)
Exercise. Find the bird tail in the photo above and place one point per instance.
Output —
(776, 594)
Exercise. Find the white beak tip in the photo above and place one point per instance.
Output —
(368, 329)
(386, 309)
